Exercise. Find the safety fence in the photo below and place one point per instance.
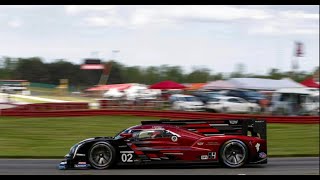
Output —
(133, 105)
(41, 112)
(48, 107)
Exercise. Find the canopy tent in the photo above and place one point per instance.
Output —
(220, 84)
(167, 85)
(119, 87)
(135, 88)
(310, 82)
(113, 93)
(264, 84)
(194, 86)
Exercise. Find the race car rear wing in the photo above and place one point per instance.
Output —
(247, 127)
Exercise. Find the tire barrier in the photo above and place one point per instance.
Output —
(156, 113)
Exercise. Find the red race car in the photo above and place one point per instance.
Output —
(232, 143)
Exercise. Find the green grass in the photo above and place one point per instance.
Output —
(27, 100)
(52, 137)
(293, 139)
(70, 98)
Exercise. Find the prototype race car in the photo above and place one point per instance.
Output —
(233, 143)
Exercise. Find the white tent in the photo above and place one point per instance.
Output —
(220, 84)
(133, 92)
(113, 93)
(264, 84)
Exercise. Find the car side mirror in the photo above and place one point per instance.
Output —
(126, 135)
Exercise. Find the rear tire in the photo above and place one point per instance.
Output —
(233, 154)
(102, 155)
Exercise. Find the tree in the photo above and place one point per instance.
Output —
(6, 68)
(239, 71)
(61, 69)
(173, 73)
(31, 69)
(275, 74)
(198, 75)
(215, 77)
(9, 63)
(132, 74)
(116, 74)
(151, 75)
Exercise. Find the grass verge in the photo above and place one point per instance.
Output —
(53, 137)
(27, 100)
(70, 98)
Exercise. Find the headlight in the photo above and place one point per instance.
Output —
(73, 148)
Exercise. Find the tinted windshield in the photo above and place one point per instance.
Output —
(316, 99)
(214, 95)
(118, 135)
(129, 130)
(253, 94)
(191, 99)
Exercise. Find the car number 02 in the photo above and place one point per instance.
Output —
(126, 157)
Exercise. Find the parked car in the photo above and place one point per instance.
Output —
(295, 101)
(229, 104)
(205, 96)
(186, 103)
(251, 96)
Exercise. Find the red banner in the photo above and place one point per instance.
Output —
(299, 49)
(92, 66)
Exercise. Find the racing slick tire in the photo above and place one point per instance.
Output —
(233, 154)
(102, 155)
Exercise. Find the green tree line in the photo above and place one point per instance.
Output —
(35, 70)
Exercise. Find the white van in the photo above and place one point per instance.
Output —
(295, 101)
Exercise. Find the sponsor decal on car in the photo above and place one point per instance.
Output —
(233, 121)
(257, 146)
(127, 156)
(212, 143)
(262, 155)
(158, 127)
(174, 138)
(81, 165)
(200, 143)
(212, 155)
(204, 157)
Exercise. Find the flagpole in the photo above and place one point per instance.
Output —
(298, 52)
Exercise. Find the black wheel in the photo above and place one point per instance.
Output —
(233, 153)
(102, 155)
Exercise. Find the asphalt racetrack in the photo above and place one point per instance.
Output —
(275, 166)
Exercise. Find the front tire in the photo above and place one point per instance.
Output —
(102, 155)
(233, 154)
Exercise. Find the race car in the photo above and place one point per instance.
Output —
(232, 143)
